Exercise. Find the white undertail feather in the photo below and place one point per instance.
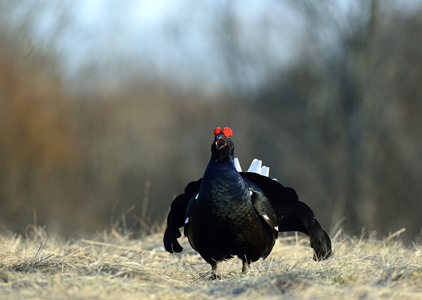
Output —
(237, 165)
(255, 167)
(265, 171)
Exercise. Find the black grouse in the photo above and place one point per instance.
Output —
(232, 213)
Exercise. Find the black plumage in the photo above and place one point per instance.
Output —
(229, 213)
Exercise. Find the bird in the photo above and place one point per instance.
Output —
(230, 213)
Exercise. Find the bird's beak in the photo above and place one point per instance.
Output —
(220, 142)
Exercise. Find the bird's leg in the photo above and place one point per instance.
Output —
(245, 266)
(214, 274)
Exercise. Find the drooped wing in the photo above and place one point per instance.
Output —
(176, 217)
(262, 206)
(265, 210)
(292, 214)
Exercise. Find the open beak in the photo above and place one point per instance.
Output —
(220, 142)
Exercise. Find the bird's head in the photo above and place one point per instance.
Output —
(222, 147)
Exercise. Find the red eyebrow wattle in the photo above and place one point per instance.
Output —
(217, 130)
(227, 132)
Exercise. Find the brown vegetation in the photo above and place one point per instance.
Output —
(112, 266)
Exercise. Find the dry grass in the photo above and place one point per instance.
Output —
(113, 266)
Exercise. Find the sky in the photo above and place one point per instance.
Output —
(168, 37)
(185, 40)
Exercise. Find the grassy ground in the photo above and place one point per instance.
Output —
(113, 266)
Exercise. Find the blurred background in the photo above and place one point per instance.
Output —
(107, 109)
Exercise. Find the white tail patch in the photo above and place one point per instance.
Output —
(255, 167)
(265, 171)
(237, 165)
(276, 228)
(196, 197)
(187, 221)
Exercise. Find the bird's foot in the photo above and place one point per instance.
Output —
(214, 276)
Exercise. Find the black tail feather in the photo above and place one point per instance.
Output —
(171, 235)
(176, 217)
(297, 216)
(320, 242)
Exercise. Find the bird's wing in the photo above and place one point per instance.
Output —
(292, 214)
(176, 217)
(189, 213)
(263, 207)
